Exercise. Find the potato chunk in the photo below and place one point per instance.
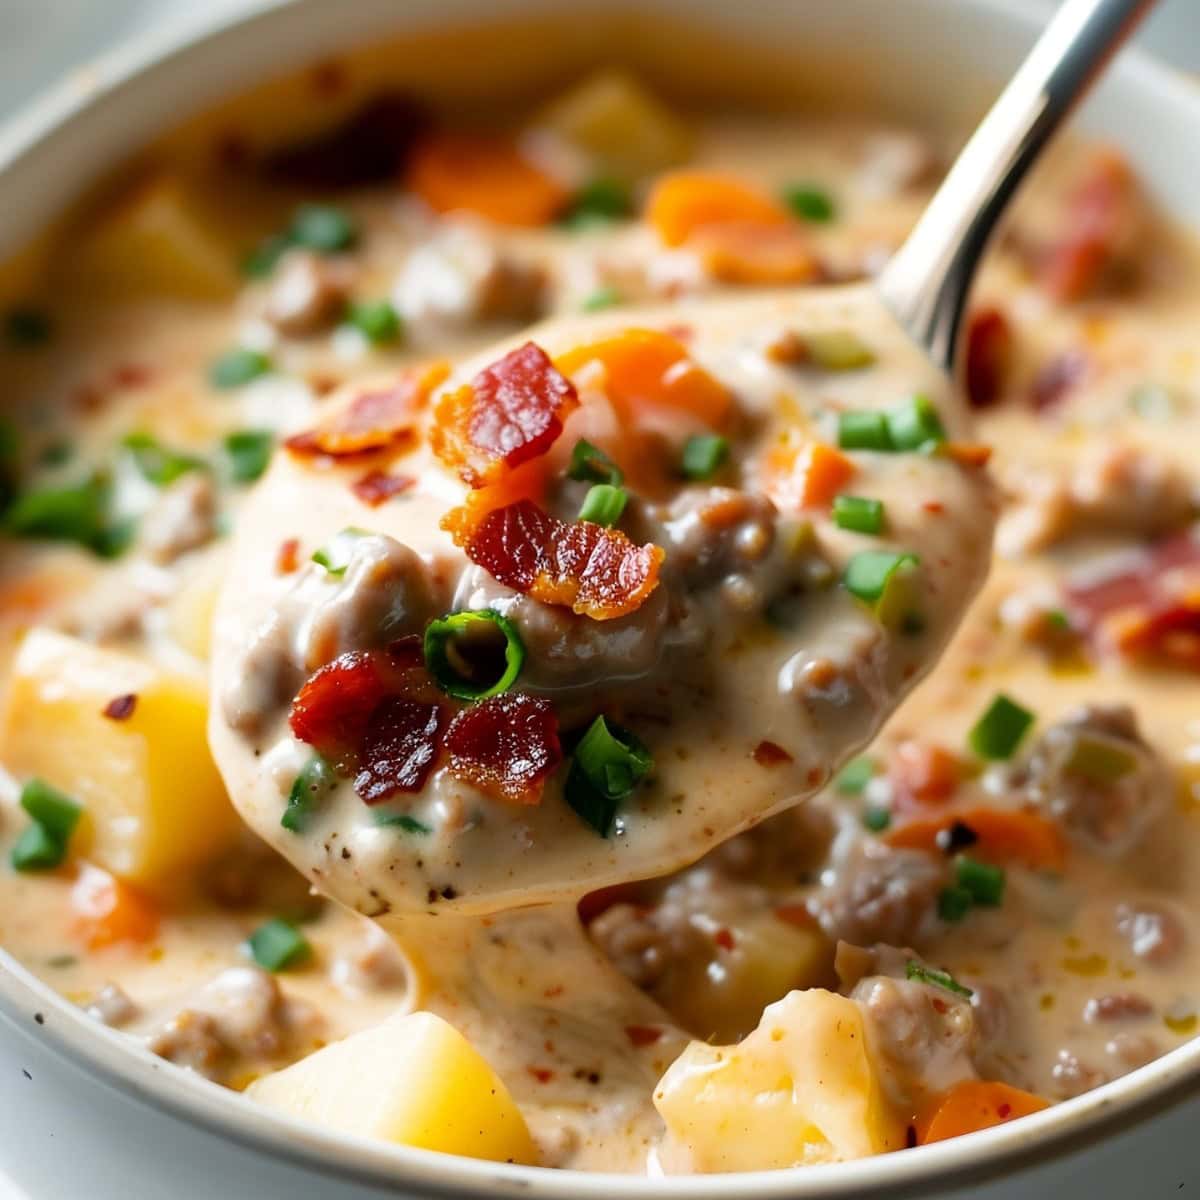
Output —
(800, 1089)
(153, 801)
(413, 1079)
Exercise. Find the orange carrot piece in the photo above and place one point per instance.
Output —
(1004, 837)
(108, 910)
(824, 472)
(752, 253)
(924, 772)
(976, 1104)
(485, 175)
(967, 454)
(683, 202)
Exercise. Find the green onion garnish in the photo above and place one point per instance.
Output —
(401, 821)
(983, 882)
(27, 327)
(854, 776)
(598, 203)
(809, 202)
(943, 979)
(604, 504)
(858, 514)
(473, 655)
(277, 945)
(869, 572)
(71, 514)
(37, 850)
(335, 555)
(1099, 760)
(248, 452)
(953, 903)
(866, 430)
(156, 462)
(876, 818)
(261, 261)
(43, 845)
(235, 368)
(703, 455)
(601, 298)
(838, 350)
(609, 763)
(323, 228)
(591, 464)
(376, 320)
(309, 791)
(915, 425)
(999, 731)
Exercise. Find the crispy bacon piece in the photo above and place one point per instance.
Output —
(988, 356)
(376, 419)
(376, 487)
(506, 746)
(513, 411)
(399, 748)
(594, 571)
(335, 705)
(770, 754)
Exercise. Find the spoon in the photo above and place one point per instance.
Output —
(742, 720)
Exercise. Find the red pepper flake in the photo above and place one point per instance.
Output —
(724, 938)
(552, 993)
(1004, 1111)
(120, 708)
(770, 754)
(375, 487)
(287, 557)
(936, 507)
(988, 355)
(594, 571)
(512, 412)
(642, 1035)
(399, 747)
(939, 1005)
(541, 1074)
(506, 746)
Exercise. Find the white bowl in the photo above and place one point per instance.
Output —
(83, 1111)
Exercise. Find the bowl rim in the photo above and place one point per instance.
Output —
(34, 1010)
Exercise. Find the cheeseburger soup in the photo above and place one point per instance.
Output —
(463, 732)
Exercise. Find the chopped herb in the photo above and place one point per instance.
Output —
(335, 555)
(838, 350)
(235, 368)
(703, 455)
(943, 979)
(377, 320)
(1153, 402)
(876, 818)
(277, 945)
(592, 465)
(601, 298)
(43, 845)
(53, 455)
(473, 655)
(869, 572)
(79, 513)
(915, 425)
(401, 821)
(854, 776)
(865, 430)
(604, 504)
(609, 762)
(858, 514)
(61, 961)
(809, 202)
(982, 881)
(262, 260)
(1099, 760)
(248, 452)
(37, 850)
(1057, 619)
(597, 204)
(999, 731)
(27, 327)
(156, 462)
(309, 791)
(323, 228)
(953, 903)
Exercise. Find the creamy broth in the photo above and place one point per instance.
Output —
(953, 931)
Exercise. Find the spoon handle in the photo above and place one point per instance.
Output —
(927, 281)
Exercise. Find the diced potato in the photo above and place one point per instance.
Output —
(627, 132)
(157, 242)
(413, 1079)
(153, 800)
(800, 1089)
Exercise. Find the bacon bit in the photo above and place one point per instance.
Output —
(1061, 375)
(988, 355)
(120, 708)
(372, 420)
(108, 910)
(796, 914)
(375, 487)
(513, 411)
(724, 938)
(287, 557)
(399, 747)
(744, 252)
(770, 754)
(642, 1035)
(966, 454)
(505, 746)
(922, 773)
(541, 1074)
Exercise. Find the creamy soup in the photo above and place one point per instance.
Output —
(437, 725)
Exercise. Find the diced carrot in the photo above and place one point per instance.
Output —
(486, 175)
(923, 773)
(1003, 836)
(683, 202)
(824, 472)
(976, 1104)
(647, 367)
(108, 910)
(752, 253)
(967, 454)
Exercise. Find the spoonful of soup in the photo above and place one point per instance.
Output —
(650, 577)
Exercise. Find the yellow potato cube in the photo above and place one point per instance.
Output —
(153, 800)
(800, 1089)
(413, 1079)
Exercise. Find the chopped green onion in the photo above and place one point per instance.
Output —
(277, 945)
(953, 903)
(1153, 402)
(335, 555)
(858, 514)
(601, 298)
(235, 368)
(598, 203)
(77, 513)
(854, 776)
(609, 763)
(1099, 760)
(809, 202)
(604, 504)
(262, 260)
(876, 818)
(473, 655)
(915, 425)
(156, 463)
(982, 881)
(865, 430)
(54, 455)
(323, 228)
(310, 788)
(703, 455)
(1057, 619)
(57, 813)
(37, 849)
(591, 464)
(999, 731)
(248, 452)
(376, 320)
(27, 327)
(838, 350)
(943, 979)
(869, 572)
(401, 821)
